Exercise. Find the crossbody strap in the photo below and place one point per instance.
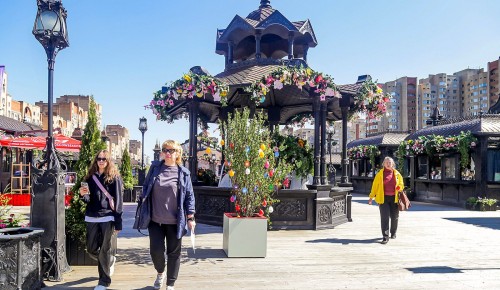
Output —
(106, 193)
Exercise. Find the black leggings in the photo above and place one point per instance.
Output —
(158, 234)
(389, 210)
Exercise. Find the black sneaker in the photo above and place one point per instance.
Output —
(385, 241)
(393, 236)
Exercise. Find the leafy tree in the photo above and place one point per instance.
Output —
(126, 170)
(91, 144)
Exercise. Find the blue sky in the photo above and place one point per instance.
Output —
(123, 50)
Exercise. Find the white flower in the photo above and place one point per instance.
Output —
(329, 92)
(216, 96)
(278, 84)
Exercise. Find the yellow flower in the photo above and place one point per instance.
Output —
(231, 173)
(222, 142)
(261, 153)
(223, 93)
(208, 150)
(262, 147)
(199, 94)
(379, 90)
(187, 78)
(309, 72)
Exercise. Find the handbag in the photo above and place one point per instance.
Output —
(142, 214)
(403, 202)
(106, 193)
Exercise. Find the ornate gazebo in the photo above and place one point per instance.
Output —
(266, 70)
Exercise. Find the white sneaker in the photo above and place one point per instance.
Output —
(159, 280)
(170, 288)
(100, 287)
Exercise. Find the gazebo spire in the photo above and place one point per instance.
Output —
(265, 4)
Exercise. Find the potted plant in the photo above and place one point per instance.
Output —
(255, 176)
(297, 153)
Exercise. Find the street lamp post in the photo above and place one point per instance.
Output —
(143, 127)
(47, 207)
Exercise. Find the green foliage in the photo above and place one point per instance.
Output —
(296, 152)
(91, 144)
(254, 171)
(126, 170)
(364, 151)
(206, 176)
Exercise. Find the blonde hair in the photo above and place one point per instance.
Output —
(177, 147)
(393, 164)
(110, 172)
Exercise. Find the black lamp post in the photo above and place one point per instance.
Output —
(47, 207)
(331, 168)
(143, 127)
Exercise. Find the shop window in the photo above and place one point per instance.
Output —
(355, 168)
(450, 167)
(435, 165)
(423, 167)
(493, 165)
(469, 173)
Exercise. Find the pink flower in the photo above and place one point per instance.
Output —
(3, 226)
(170, 102)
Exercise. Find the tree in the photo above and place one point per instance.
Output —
(126, 170)
(91, 144)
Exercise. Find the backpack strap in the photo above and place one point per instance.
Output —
(106, 193)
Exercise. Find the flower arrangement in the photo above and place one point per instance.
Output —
(298, 76)
(364, 151)
(254, 171)
(437, 144)
(191, 85)
(7, 219)
(370, 100)
(296, 152)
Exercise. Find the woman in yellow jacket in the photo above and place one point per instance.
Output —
(386, 186)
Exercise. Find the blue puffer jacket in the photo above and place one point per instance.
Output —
(185, 198)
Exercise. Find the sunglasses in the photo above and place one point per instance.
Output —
(166, 150)
(101, 159)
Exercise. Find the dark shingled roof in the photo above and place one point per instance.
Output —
(351, 89)
(260, 14)
(488, 124)
(11, 126)
(246, 75)
(383, 139)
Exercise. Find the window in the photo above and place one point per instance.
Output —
(493, 165)
(435, 165)
(422, 172)
(450, 167)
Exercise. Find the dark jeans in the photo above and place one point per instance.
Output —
(101, 246)
(389, 210)
(158, 234)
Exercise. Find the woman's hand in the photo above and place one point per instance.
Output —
(370, 201)
(84, 190)
(191, 225)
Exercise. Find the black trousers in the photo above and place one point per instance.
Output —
(389, 210)
(158, 234)
(101, 246)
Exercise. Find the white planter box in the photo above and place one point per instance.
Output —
(244, 237)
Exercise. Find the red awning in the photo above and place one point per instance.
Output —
(61, 142)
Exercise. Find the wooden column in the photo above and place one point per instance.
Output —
(317, 121)
(193, 141)
(230, 52)
(258, 37)
(344, 106)
(324, 179)
(291, 38)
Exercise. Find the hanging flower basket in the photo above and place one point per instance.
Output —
(370, 100)
(296, 76)
(364, 151)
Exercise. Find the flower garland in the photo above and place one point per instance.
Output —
(370, 100)
(437, 144)
(364, 151)
(298, 76)
(187, 87)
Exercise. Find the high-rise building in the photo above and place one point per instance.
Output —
(441, 91)
(401, 109)
(494, 81)
(473, 91)
(119, 140)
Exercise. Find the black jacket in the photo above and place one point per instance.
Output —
(97, 202)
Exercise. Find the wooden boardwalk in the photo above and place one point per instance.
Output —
(437, 247)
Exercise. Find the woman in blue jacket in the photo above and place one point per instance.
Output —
(169, 189)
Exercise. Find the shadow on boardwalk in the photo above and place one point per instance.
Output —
(345, 241)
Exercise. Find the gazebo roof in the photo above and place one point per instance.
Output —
(487, 124)
(382, 139)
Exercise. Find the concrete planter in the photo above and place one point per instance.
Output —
(20, 258)
(244, 237)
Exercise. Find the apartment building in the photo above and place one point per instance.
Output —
(494, 81)
(135, 150)
(473, 91)
(119, 140)
(441, 91)
(402, 107)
